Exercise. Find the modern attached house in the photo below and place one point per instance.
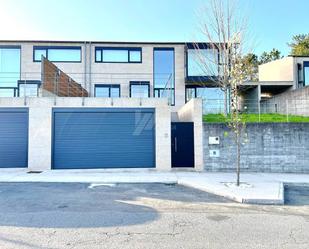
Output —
(80, 105)
(283, 87)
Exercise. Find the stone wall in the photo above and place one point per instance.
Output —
(270, 147)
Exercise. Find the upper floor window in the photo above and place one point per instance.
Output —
(118, 55)
(164, 73)
(9, 70)
(107, 91)
(306, 73)
(202, 62)
(57, 53)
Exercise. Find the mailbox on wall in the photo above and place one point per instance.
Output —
(214, 140)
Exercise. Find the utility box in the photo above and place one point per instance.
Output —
(214, 140)
(214, 153)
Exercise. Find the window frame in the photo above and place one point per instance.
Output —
(174, 69)
(139, 83)
(201, 78)
(28, 82)
(128, 49)
(46, 48)
(186, 94)
(109, 86)
(305, 64)
(15, 89)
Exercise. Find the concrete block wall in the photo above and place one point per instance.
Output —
(270, 147)
(295, 102)
(40, 124)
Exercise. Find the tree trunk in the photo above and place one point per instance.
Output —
(238, 155)
(225, 102)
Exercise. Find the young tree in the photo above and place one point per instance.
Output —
(221, 25)
(224, 29)
(239, 74)
(300, 45)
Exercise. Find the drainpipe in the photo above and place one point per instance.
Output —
(90, 63)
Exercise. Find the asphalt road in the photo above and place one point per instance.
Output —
(68, 215)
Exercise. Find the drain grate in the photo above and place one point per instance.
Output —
(34, 172)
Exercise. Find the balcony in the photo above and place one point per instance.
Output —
(51, 81)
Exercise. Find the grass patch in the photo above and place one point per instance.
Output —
(253, 118)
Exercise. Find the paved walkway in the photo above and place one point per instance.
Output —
(258, 188)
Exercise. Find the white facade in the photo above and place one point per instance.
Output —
(88, 73)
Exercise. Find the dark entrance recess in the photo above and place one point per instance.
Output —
(182, 144)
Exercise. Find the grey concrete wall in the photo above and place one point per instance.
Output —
(40, 124)
(295, 102)
(270, 147)
(250, 100)
(278, 70)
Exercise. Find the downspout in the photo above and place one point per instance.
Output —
(90, 63)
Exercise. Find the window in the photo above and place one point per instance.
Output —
(202, 62)
(139, 89)
(107, 91)
(306, 73)
(118, 55)
(213, 98)
(28, 88)
(164, 71)
(9, 70)
(57, 54)
(8, 92)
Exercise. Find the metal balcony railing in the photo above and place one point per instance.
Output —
(52, 82)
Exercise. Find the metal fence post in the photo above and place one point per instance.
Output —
(25, 85)
(259, 109)
(287, 110)
(55, 88)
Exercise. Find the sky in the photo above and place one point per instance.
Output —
(272, 23)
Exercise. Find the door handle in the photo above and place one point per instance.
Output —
(175, 144)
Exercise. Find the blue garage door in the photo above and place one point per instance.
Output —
(103, 138)
(13, 137)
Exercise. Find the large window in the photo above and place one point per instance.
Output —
(306, 73)
(57, 54)
(139, 89)
(9, 70)
(213, 98)
(164, 73)
(202, 62)
(118, 55)
(107, 91)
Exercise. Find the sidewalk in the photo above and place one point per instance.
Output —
(256, 188)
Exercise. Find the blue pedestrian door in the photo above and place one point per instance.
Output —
(103, 138)
(13, 137)
(182, 143)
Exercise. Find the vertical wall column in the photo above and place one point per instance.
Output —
(163, 139)
(40, 138)
(193, 112)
